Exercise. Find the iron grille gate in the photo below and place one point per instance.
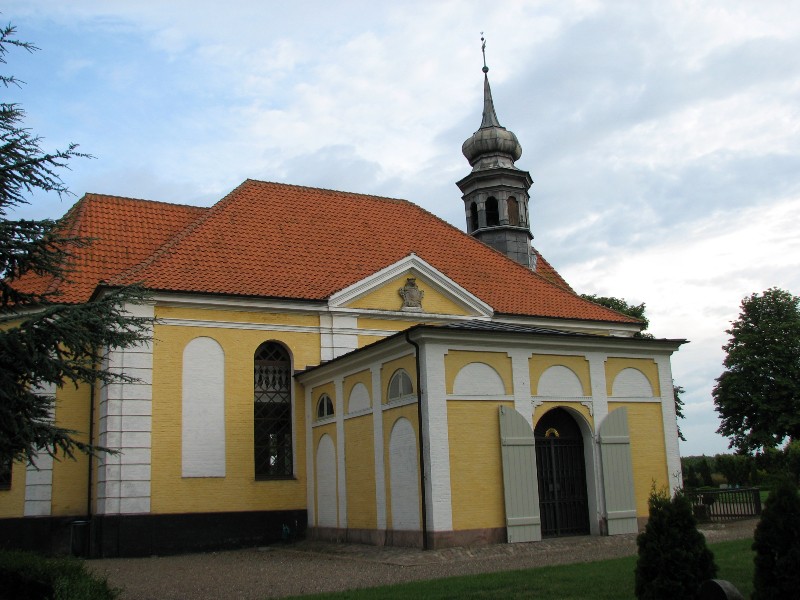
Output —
(562, 486)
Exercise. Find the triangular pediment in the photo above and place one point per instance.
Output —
(381, 292)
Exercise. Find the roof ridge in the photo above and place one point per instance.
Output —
(129, 199)
(329, 190)
(163, 249)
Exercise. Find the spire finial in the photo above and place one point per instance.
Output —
(483, 50)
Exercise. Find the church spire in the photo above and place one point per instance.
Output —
(496, 193)
(489, 115)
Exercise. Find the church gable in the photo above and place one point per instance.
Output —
(410, 286)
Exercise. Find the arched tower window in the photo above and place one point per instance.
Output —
(324, 407)
(473, 217)
(492, 212)
(513, 211)
(272, 411)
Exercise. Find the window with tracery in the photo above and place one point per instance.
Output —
(324, 407)
(400, 386)
(272, 407)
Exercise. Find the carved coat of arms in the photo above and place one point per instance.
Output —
(411, 295)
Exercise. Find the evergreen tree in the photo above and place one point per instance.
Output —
(43, 341)
(673, 557)
(777, 545)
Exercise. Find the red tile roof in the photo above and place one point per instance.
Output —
(284, 241)
(123, 232)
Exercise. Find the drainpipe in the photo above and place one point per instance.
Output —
(421, 446)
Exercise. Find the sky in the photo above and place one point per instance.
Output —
(663, 138)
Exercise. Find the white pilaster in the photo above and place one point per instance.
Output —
(125, 425)
(521, 376)
(597, 376)
(378, 444)
(438, 493)
(39, 487)
(341, 480)
(670, 424)
(39, 475)
(308, 409)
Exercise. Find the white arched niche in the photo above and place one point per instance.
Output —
(326, 483)
(359, 398)
(631, 383)
(404, 476)
(478, 379)
(559, 381)
(203, 409)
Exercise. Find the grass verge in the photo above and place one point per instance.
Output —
(601, 580)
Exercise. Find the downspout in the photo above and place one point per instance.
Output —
(424, 514)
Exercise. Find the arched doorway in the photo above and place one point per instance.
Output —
(561, 473)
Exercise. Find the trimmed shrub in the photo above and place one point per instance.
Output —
(673, 558)
(28, 576)
(777, 545)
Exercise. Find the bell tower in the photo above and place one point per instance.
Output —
(495, 193)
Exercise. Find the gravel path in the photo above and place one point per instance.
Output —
(310, 567)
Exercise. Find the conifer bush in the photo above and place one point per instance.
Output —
(777, 545)
(673, 557)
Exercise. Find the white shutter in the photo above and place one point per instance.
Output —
(615, 451)
(518, 448)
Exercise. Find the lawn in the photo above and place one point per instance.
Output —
(602, 580)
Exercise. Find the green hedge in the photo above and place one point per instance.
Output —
(28, 576)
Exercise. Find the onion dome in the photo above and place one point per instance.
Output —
(492, 145)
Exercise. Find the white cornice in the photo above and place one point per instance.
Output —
(236, 303)
(427, 271)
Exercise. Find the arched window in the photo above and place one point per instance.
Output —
(473, 217)
(400, 386)
(324, 407)
(272, 374)
(513, 211)
(492, 212)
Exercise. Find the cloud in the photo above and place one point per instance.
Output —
(661, 137)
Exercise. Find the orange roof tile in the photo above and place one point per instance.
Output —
(285, 241)
(123, 232)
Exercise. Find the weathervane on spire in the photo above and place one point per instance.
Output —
(483, 49)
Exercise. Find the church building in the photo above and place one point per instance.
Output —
(348, 367)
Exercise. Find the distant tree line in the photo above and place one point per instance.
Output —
(764, 469)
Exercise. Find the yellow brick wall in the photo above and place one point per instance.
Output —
(387, 297)
(360, 472)
(539, 363)
(238, 490)
(455, 360)
(12, 502)
(648, 450)
(476, 467)
(71, 477)
(646, 365)
(390, 416)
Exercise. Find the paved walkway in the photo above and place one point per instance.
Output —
(311, 567)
